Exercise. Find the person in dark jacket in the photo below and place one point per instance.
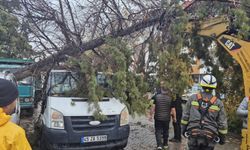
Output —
(163, 108)
(177, 103)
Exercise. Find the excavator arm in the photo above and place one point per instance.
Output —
(218, 29)
(187, 3)
(209, 28)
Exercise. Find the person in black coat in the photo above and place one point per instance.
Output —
(163, 107)
(177, 104)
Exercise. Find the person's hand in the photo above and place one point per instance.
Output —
(174, 119)
(173, 114)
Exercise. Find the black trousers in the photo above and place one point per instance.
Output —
(177, 128)
(161, 132)
(200, 143)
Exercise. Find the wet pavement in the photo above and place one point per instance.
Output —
(141, 135)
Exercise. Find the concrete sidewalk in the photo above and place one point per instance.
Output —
(142, 137)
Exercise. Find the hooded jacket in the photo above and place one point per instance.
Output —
(215, 120)
(12, 137)
(242, 111)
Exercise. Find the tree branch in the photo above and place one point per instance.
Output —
(67, 50)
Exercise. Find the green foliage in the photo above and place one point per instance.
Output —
(10, 5)
(12, 42)
(205, 9)
(246, 6)
(87, 86)
(119, 85)
(174, 72)
(234, 122)
(128, 86)
(240, 23)
(172, 67)
(123, 84)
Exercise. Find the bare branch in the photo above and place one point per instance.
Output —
(67, 50)
(62, 23)
(73, 22)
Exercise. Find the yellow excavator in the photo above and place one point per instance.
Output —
(218, 29)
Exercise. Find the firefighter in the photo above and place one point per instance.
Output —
(12, 137)
(204, 120)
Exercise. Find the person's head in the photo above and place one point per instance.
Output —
(163, 88)
(208, 83)
(8, 96)
(162, 84)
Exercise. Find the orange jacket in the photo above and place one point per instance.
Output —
(12, 137)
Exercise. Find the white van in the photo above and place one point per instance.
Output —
(68, 121)
(15, 117)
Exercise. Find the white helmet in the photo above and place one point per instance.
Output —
(208, 81)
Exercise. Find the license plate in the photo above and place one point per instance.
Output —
(99, 138)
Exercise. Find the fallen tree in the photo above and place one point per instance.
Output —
(73, 50)
(64, 28)
(70, 35)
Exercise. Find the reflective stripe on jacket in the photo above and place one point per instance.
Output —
(12, 137)
(214, 120)
(242, 111)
